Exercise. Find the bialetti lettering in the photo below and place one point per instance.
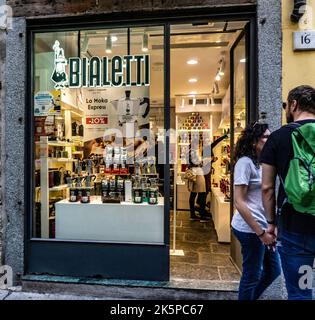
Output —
(105, 72)
(129, 70)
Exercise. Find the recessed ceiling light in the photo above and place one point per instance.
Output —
(192, 80)
(243, 60)
(192, 61)
(218, 77)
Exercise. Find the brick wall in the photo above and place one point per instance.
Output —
(55, 7)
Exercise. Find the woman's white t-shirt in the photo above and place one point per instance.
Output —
(246, 173)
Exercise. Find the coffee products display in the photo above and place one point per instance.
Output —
(76, 163)
(136, 190)
(194, 122)
(153, 192)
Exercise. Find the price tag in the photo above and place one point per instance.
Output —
(304, 40)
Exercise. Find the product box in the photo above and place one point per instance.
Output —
(128, 191)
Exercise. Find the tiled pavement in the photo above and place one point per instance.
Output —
(205, 258)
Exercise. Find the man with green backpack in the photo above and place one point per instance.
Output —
(289, 154)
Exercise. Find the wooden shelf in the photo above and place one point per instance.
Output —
(57, 143)
(194, 130)
(58, 188)
(61, 160)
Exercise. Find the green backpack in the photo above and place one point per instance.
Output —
(299, 183)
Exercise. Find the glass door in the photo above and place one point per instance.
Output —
(239, 114)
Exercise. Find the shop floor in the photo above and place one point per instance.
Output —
(205, 260)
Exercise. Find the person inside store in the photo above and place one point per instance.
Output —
(196, 184)
(261, 262)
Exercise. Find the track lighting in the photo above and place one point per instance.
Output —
(145, 42)
(216, 86)
(222, 67)
(218, 77)
(108, 44)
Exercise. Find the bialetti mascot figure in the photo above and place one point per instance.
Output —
(59, 75)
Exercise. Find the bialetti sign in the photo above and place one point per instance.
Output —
(129, 70)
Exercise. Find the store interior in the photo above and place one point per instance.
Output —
(200, 91)
(94, 184)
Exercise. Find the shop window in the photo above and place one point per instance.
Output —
(99, 135)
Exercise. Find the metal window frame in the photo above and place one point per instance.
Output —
(162, 18)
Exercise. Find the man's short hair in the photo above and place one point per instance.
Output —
(305, 97)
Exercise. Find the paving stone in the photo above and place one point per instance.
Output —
(200, 238)
(196, 247)
(193, 271)
(216, 260)
(189, 257)
(229, 274)
(220, 248)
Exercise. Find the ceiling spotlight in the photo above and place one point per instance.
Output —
(243, 60)
(192, 61)
(145, 42)
(108, 45)
(192, 80)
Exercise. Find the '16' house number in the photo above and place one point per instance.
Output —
(304, 40)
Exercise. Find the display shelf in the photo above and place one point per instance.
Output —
(110, 221)
(58, 188)
(61, 160)
(56, 143)
(194, 130)
(117, 174)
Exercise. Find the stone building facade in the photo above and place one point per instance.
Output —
(13, 75)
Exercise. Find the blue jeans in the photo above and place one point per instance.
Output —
(297, 250)
(261, 266)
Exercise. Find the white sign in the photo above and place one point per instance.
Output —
(43, 103)
(113, 108)
(304, 40)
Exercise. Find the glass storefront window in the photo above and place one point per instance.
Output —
(98, 135)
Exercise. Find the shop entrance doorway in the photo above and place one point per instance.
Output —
(208, 112)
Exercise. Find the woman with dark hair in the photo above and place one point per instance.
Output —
(261, 264)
